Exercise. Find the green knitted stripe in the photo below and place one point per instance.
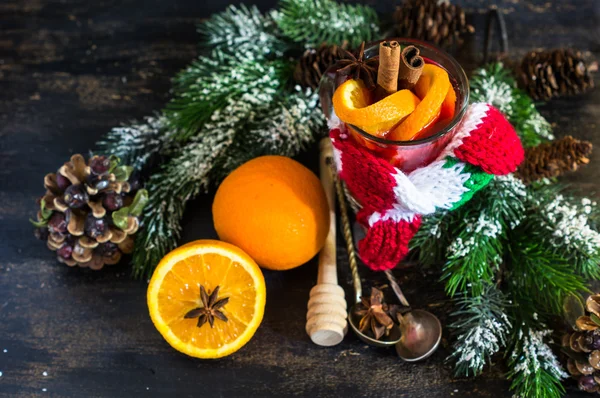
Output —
(477, 181)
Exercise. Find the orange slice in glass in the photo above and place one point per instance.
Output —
(432, 87)
(352, 103)
(179, 312)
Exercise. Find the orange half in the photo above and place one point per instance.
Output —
(352, 103)
(174, 290)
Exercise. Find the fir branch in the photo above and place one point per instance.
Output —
(434, 236)
(566, 225)
(533, 268)
(477, 250)
(210, 83)
(312, 22)
(481, 326)
(138, 144)
(244, 30)
(495, 85)
(289, 126)
(534, 370)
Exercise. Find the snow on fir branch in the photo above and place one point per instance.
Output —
(241, 130)
(568, 225)
(138, 144)
(286, 128)
(477, 248)
(209, 84)
(495, 85)
(312, 22)
(481, 327)
(243, 31)
(534, 369)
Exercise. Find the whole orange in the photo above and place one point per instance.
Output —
(274, 209)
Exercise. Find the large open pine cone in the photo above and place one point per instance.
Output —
(89, 213)
(435, 21)
(550, 74)
(583, 346)
(314, 62)
(553, 159)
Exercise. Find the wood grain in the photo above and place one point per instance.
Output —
(72, 69)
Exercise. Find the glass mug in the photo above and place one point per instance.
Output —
(405, 155)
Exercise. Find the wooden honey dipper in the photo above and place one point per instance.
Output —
(326, 318)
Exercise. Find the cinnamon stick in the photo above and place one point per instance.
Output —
(411, 67)
(389, 63)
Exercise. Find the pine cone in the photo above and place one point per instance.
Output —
(314, 62)
(583, 348)
(553, 159)
(550, 74)
(441, 23)
(89, 213)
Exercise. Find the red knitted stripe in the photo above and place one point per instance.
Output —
(494, 145)
(386, 243)
(368, 178)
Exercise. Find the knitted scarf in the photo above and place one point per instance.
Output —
(393, 203)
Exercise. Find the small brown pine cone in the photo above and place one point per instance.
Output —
(556, 73)
(314, 62)
(89, 213)
(435, 21)
(553, 159)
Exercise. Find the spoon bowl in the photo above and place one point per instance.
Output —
(421, 335)
(391, 339)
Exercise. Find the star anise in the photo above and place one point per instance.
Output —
(374, 315)
(359, 67)
(210, 308)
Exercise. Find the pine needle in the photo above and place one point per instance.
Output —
(243, 32)
(481, 327)
(312, 22)
(138, 144)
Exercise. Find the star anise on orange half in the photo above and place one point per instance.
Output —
(373, 315)
(358, 67)
(211, 308)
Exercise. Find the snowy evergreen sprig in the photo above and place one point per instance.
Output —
(481, 327)
(534, 369)
(495, 85)
(209, 84)
(476, 249)
(568, 226)
(243, 31)
(312, 22)
(139, 143)
(286, 128)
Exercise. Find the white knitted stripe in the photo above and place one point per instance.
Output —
(472, 119)
(425, 190)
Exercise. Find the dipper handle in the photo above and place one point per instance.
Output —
(326, 318)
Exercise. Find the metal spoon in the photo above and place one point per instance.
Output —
(394, 334)
(420, 331)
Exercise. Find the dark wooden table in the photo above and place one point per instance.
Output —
(72, 69)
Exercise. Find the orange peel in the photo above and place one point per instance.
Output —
(432, 87)
(352, 104)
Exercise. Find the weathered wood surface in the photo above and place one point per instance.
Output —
(72, 69)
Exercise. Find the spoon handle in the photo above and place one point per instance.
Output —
(396, 288)
(326, 318)
(347, 231)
